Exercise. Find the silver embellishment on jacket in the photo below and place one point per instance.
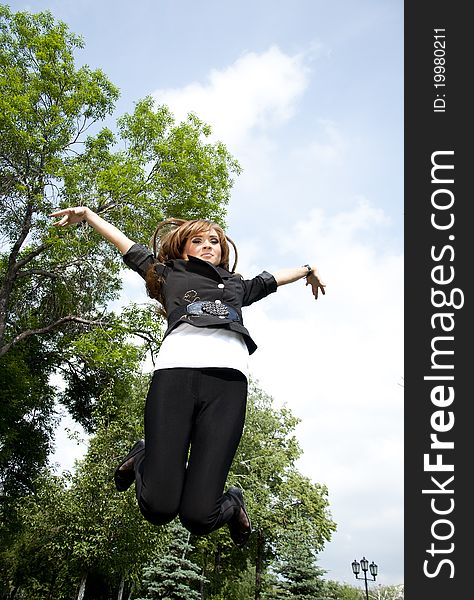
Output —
(191, 296)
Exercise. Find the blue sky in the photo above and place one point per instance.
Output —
(308, 95)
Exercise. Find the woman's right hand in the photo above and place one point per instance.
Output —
(77, 214)
(70, 216)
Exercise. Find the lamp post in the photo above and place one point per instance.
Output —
(364, 565)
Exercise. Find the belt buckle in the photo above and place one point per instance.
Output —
(216, 309)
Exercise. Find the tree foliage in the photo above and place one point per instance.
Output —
(278, 497)
(173, 576)
(56, 285)
(336, 590)
(300, 576)
(89, 532)
(152, 168)
(387, 592)
(76, 527)
(27, 415)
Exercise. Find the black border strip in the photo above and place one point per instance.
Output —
(438, 204)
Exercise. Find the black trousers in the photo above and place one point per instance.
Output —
(193, 424)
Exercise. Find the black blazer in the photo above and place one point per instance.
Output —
(188, 281)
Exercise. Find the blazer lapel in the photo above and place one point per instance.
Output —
(202, 267)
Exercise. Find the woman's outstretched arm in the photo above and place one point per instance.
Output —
(285, 276)
(77, 214)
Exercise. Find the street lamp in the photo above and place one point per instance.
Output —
(364, 565)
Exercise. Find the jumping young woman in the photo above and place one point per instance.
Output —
(195, 407)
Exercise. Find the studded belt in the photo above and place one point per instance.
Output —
(215, 308)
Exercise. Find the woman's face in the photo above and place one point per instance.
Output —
(205, 245)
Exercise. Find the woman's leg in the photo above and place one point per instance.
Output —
(169, 415)
(218, 424)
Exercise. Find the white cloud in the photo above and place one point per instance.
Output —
(327, 149)
(337, 363)
(257, 92)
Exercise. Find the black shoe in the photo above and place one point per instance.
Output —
(124, 474)
(239, 532)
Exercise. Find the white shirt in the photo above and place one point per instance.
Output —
(203, 347)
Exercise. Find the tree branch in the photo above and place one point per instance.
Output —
(41, 330)
(39, 272)
(143, 335)
(12, 268)
(25, 260)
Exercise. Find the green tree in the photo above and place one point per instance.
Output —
(34, 562)
(300, 576)
(173, 576)
(153, 169)
(27, 417)
(117, 417)
(76, 530)
(45, 106)
(336, 590)
(79, 530)
(279, 499)
(387, 592)
(56, 285)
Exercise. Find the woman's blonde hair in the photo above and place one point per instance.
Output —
(169, 240)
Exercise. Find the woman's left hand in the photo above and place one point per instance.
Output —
(315, 282)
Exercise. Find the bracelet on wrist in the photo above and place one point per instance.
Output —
(310, 270)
